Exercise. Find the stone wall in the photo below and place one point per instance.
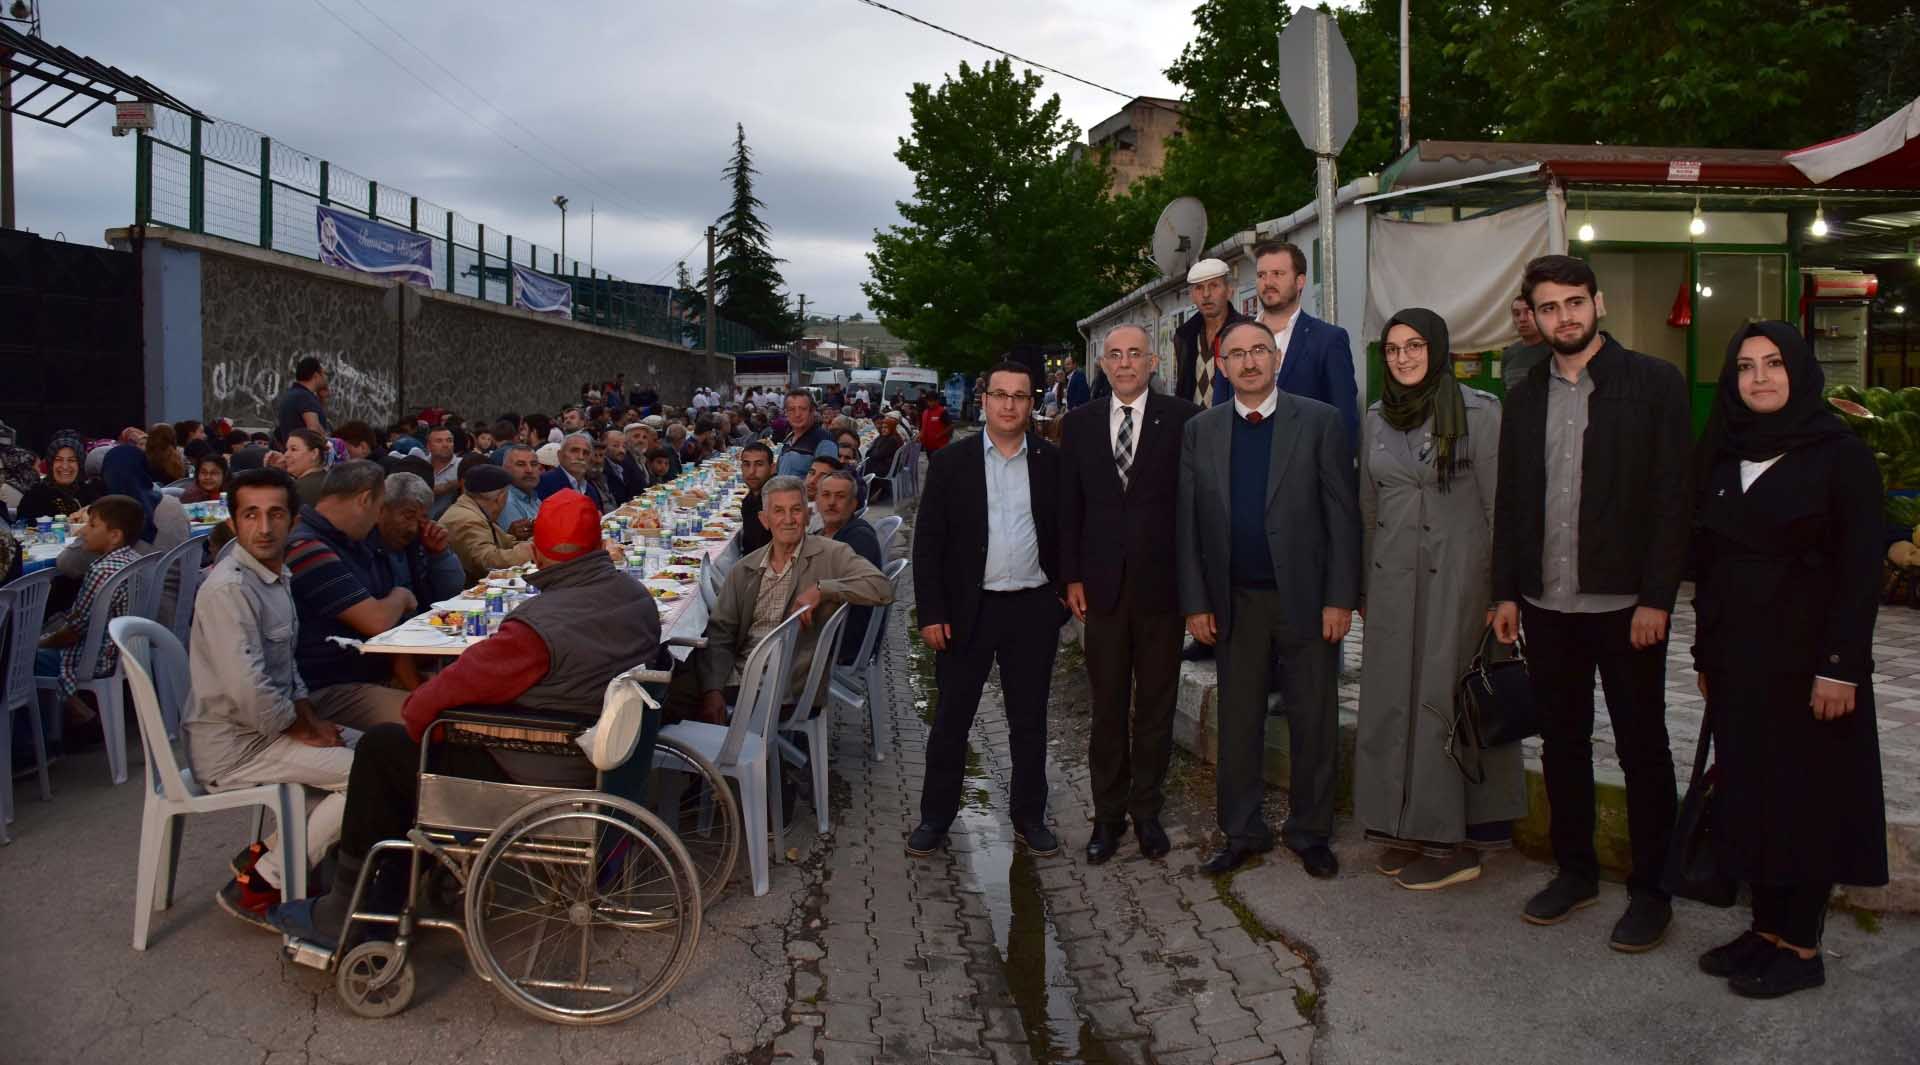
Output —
(262, 312)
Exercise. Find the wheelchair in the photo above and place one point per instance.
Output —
(581, 907)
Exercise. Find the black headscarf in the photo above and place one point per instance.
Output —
(1736, 429)
(125, 471)
(1406, 407)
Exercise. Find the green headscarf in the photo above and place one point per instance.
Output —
(1406, 407)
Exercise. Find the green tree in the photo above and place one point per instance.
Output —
(747, 281)
(1009, 237)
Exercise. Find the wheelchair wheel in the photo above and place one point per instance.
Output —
(583, 908)
(700, 807)
(358, 980)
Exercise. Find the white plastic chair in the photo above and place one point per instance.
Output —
(814, 726)
(172, 793)
(742, 748)
(896, 478)
(709, 583)
(108, 691)
(24, 601)
(885, 529)
(858, 686)
(186, 560)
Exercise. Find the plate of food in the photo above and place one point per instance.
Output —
(450, 622)
(685, 560)
(665, 595)
(714, 534)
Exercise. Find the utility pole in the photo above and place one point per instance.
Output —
(589, 235)
(1406, 77)
(799, 348)
(561, 202)
(712, 313)
(6, 140)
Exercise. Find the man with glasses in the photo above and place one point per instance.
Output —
(985, 573)
(1120, 465)
(1268, 549)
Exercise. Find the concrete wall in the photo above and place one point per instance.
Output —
(238, 318)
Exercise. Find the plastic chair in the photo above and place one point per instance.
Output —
(185, 560)
(886, 528)
(814, 725)
(858, 686)
(709, 585)
(172, 793)
(109, 691)
(742, 748)
(896, 478)
(24, 601)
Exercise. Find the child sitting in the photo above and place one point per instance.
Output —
(113, 525)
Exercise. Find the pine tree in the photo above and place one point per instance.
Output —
(747, 279)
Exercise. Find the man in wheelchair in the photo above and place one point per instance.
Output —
(555, 655)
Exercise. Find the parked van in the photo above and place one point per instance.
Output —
(907, 381)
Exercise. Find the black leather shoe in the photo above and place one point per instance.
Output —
(1731, 959)
(925, 840)
(1038, 839)
(1153, 838)
(1319, 861)
(1195, 651)
(1782, 974)
(1105, 841)
(1557, 901)
(1643, 926)
(1229, 858)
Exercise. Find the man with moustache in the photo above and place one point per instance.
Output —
(1521, 356)
(1198, 375)
(1316, 357)
(1268, 550)
(1120, 458)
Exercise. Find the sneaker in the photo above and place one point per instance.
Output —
(296, 919)
(249, 899)
(1643, 926)
(925, 840)
(1782, 974)
(1038, 839)
(1427, 873)
(246, 858)
(1731, 959)
(1563, 895)
(1391, 860)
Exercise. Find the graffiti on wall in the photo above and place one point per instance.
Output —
(254, 382)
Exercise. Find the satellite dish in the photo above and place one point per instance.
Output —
(1179, 235)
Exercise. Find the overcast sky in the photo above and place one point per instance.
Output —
(642, 94)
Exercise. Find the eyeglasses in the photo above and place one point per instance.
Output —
(1015, 398)
(1413, 349)
(1258, 351)
(1126, 356)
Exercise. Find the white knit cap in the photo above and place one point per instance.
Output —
(1206, 270)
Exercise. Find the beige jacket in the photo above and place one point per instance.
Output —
(479, 543)
(842, 577)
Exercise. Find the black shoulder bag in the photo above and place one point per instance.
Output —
(1493, 703)
(1693, 870)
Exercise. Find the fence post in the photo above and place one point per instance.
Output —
(593, 278)
(266, 192)
(480, 252)
(142, 177)
(325, 175)
(196, 183)
(450, 257)
(373, 200)
(413, 213)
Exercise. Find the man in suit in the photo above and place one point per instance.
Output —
(985, 573)
(1120, 456)
(1268, 549)
(576, 454)
(1198, 375)
(1316, 358)
(1078, 393)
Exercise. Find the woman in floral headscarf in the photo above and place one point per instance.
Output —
(63, 490)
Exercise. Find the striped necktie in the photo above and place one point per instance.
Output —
(1123, 446)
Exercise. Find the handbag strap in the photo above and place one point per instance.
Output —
(1483, 654)
(1705, 742)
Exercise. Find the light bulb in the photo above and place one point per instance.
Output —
(1698, 225)
(1586, 231)
(1706, 293)
(1899, 308)
(1819, 226)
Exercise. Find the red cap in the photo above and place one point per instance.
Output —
(567, 526)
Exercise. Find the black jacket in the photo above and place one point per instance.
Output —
(1111, 539)
(950, 532)
(1634, 505)
(1186, 341)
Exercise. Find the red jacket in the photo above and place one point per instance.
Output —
(934, 430)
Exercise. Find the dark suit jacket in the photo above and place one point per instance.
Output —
(1313, 515)
(1319, 365)
(1114, 539)
(555, 480)
(1077, 391)
(950, 533)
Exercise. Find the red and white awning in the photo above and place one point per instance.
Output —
(1884, 156)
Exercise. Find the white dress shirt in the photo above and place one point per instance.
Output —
(1266, 407)
(1282, 337)
(1114, 416)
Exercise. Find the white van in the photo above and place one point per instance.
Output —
(907, 381)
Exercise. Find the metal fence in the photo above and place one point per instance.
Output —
(225, 180)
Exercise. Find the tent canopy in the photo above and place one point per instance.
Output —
(1885, 156)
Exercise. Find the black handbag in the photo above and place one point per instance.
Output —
(1693, 870)
(1493, 703)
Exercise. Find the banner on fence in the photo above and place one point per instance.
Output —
(373, 247)
(541, 294)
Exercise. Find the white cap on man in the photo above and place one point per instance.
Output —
(1206, 270)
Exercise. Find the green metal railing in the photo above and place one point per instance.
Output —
(225, 180)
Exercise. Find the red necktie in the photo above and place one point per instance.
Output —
(1254, 418)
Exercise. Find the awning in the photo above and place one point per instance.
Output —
(1886, 155)
(59, 87)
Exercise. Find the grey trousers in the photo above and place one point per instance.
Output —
(323, 770)
(1245, 655)
(358, 706)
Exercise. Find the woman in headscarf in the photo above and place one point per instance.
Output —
(63, 490)
(125, 473)
(1429, 458)
(1787, 548)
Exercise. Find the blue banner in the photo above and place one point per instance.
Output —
(541, 294)
(373, 247)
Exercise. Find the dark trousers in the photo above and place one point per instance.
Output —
(1020, 631)
(1563, 651)
(1256, 634)
(1133, 663)
(1796, 913)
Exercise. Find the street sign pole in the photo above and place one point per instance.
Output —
(1323, 149)
(1320, 92)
